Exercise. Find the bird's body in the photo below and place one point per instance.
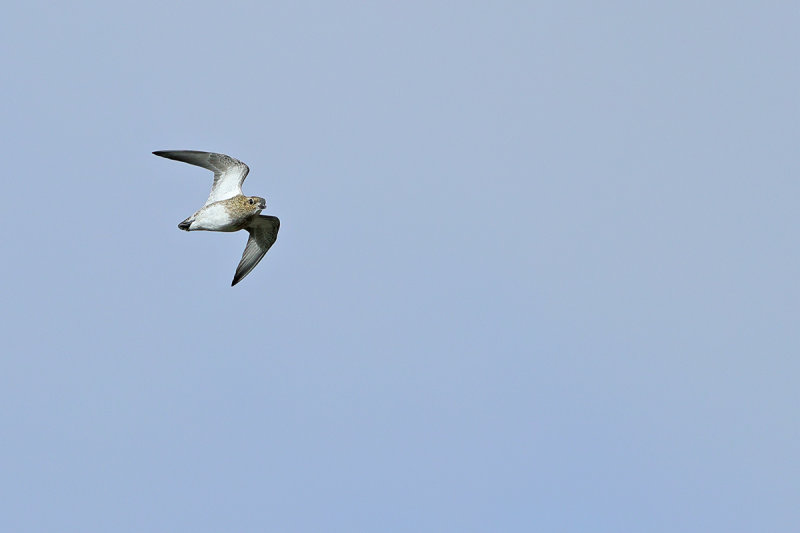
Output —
(227, 209)
(232, 214)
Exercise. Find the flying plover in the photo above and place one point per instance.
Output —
(227, 209)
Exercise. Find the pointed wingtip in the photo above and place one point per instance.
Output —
(169, 154)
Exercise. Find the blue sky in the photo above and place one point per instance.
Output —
(537, 268)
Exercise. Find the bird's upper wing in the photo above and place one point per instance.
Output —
(229, 173)
(263, 231)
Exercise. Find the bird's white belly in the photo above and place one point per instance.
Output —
(214, 217)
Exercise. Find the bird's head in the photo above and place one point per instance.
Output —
(256, 203)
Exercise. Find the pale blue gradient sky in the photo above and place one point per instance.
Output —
(537, 270)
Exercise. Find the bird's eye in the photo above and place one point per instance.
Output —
(251, 201)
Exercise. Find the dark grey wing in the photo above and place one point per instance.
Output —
(229, 173)
(263, 231)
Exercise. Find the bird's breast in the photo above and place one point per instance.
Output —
(216, 217)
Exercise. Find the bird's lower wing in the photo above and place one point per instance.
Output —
(263, 231)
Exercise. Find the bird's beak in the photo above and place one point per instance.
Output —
(263, 204)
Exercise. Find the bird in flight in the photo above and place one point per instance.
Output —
(227, 209)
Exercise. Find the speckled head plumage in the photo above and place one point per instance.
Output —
(227, 209)
(243, 206)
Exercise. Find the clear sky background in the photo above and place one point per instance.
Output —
(537, 270)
